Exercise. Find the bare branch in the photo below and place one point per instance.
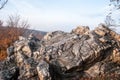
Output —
(3, 3)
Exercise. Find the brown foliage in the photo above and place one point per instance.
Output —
(8, 34)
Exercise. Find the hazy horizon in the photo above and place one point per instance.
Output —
(51, 15)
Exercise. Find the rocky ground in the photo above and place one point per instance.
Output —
(64, 56)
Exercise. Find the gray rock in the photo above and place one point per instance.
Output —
(43, 71)
(11, 74)
(81, 30)
(28, 69)
(66, 56)
(10, 51)
(22, 38)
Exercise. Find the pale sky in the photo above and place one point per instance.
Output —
(51, 15)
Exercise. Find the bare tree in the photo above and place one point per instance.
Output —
(110, 21)
(8, 34)
(15, 22)
(3, 3)
(1, 23)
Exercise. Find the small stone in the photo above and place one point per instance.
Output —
(26, 49)
(22, 38)
(103, 40)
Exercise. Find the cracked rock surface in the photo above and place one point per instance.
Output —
(64, 56)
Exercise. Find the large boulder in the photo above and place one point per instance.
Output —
(67, 56)
(43, 71)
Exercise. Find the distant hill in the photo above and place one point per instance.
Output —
(37, 33)
(8, 35)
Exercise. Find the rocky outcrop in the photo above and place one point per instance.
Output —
(65, 56)
(11, 74)
(81, 30)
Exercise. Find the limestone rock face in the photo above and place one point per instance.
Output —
(81, 30)
(11, 74)
(66, 56)
(43, 71)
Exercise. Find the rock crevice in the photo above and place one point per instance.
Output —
(64, 56)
